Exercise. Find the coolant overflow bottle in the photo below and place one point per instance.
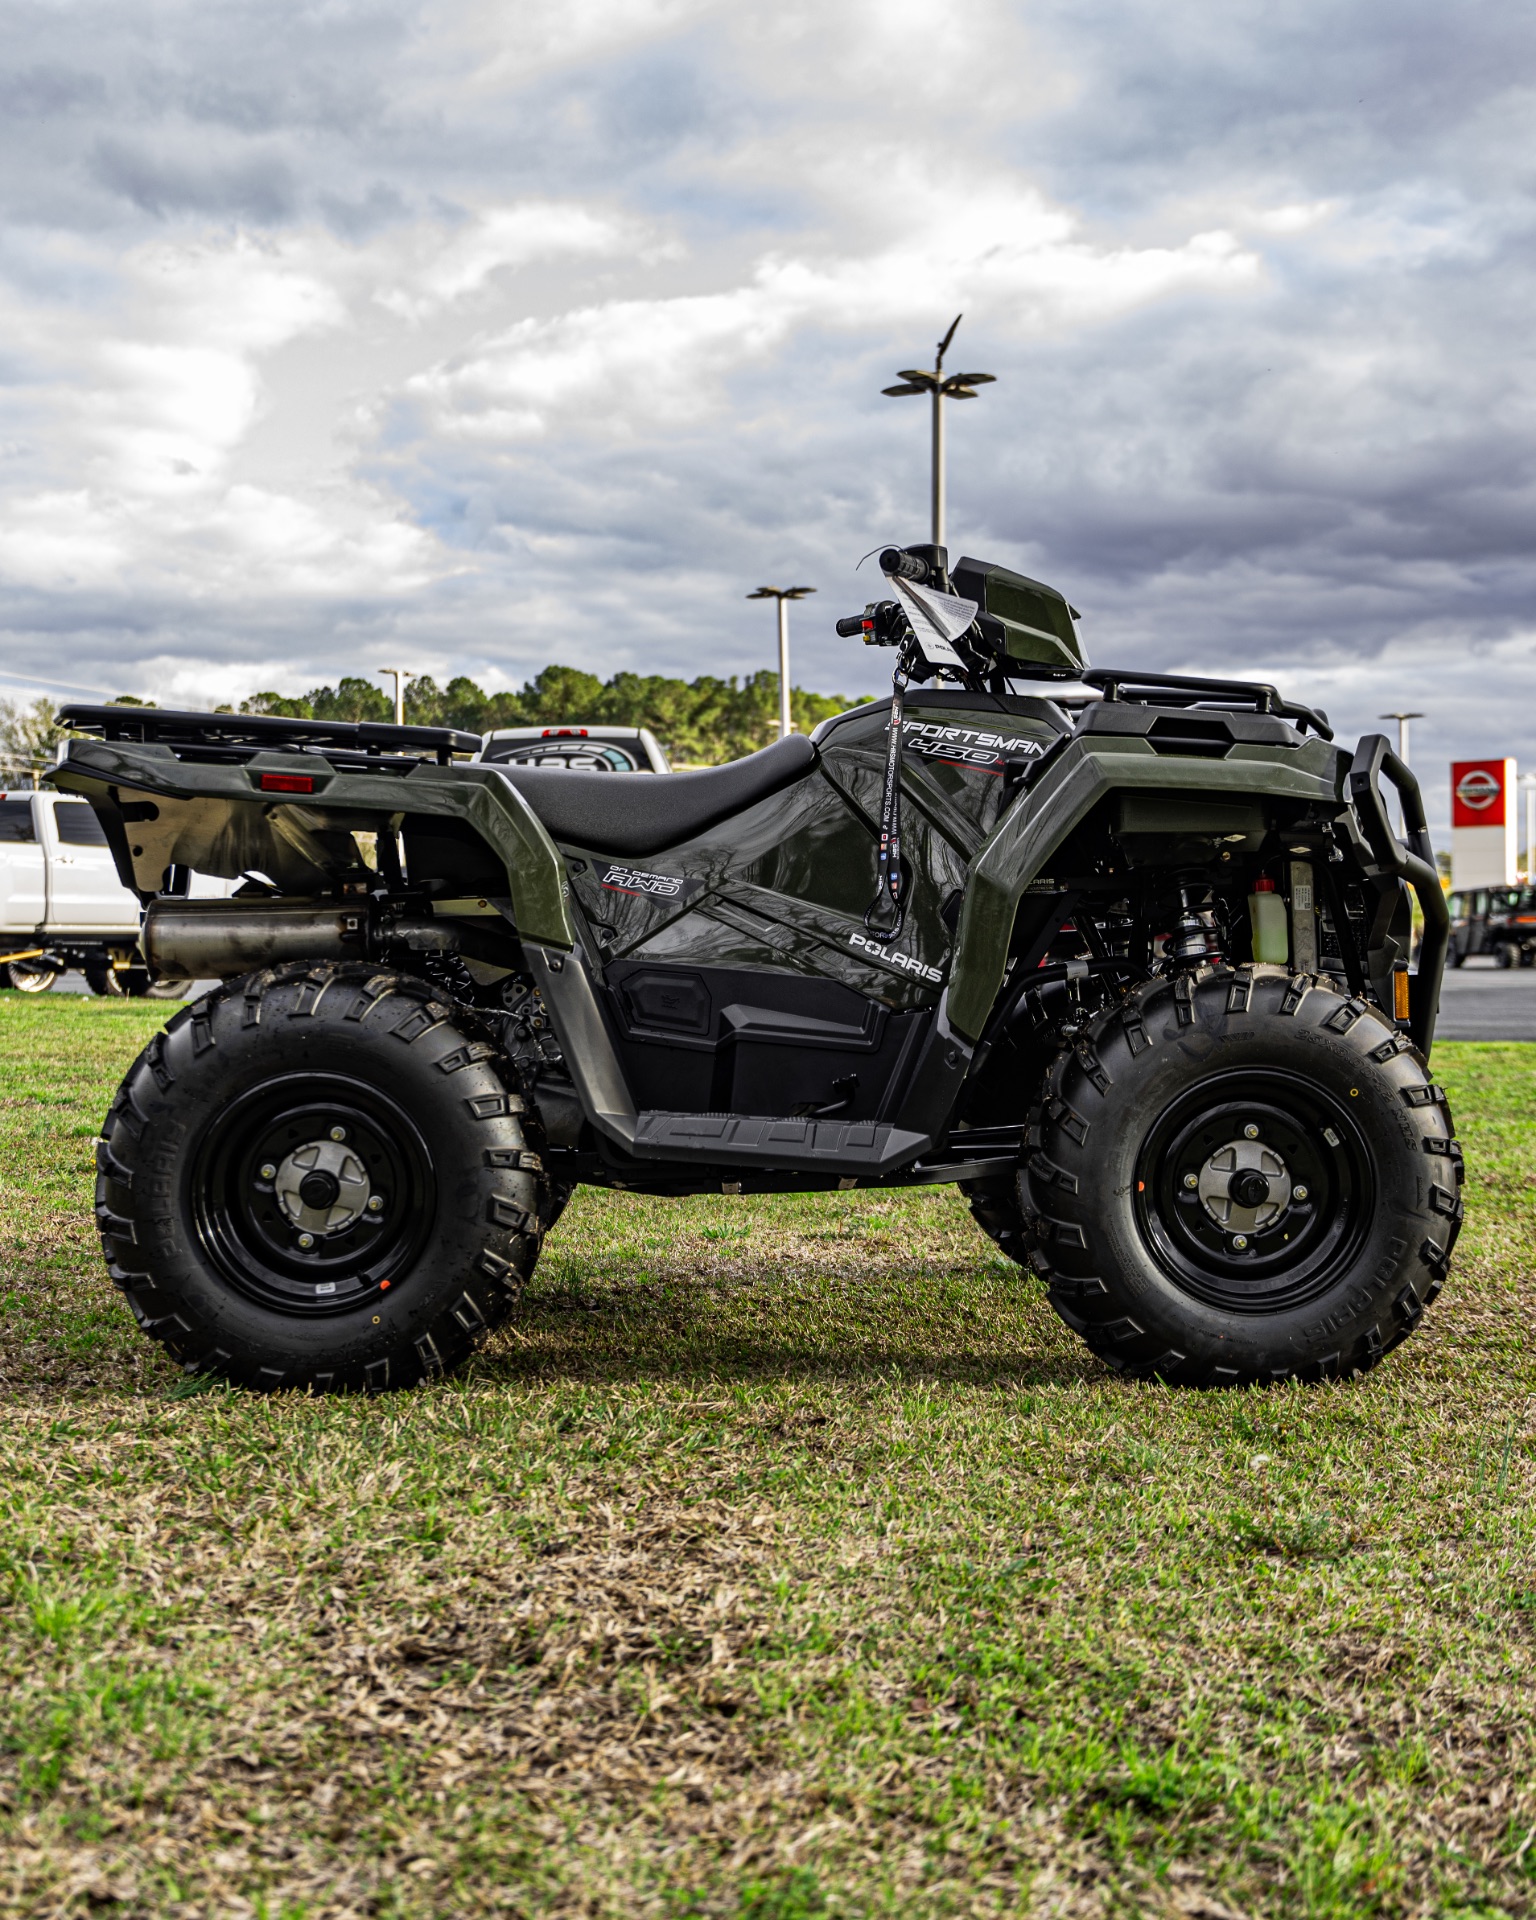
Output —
(1271, 935)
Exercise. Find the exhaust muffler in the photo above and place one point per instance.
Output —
(220, 939)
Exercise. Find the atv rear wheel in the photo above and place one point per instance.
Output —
(1241, 1177)
(316, 1177)
(995, 1209)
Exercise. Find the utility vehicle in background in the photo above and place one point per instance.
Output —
(1497, 921)
(1123, 956)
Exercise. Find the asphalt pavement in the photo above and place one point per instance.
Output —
(1483, 1002)
(1478, 1001)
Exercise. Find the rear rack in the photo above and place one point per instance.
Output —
(379, 745)
(1185, 690)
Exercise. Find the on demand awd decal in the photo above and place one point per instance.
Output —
(655, 886)
(964, 746)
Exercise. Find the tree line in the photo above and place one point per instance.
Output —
(700, 722)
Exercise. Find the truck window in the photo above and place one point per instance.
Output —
(16, 820)
(78, 825)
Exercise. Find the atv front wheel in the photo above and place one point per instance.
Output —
(316, 1177)
(1241, 1177)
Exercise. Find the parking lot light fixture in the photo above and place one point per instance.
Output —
(402, 675)
(782, 595)
(958, 386)
(1402, 720)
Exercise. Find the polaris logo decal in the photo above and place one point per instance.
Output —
(653, 886)
(903, 960)
(964, 746)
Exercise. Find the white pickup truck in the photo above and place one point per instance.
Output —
(61, 902)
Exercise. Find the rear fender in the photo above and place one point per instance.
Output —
(161, 812)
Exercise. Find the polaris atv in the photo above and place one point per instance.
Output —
(1123, 956)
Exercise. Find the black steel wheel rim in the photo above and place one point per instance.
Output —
(1256, 1261)
(253, 1240)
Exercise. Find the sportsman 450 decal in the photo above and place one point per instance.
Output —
(905, 961)
(655, 886)
(965, 746)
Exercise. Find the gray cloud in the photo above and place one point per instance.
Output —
(358, 398)
(257, 188)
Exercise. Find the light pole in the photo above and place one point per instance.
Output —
(782, 594)
(959, 386)
(1402, 720)
(402, 674)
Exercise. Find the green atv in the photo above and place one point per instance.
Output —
(1123, 956)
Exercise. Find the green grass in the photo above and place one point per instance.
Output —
(785, 1558)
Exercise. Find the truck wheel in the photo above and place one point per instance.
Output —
(103, 978)
(316, 1177)
(141, 984)
(28, 976)
(1242, 1177)
(1504, 954)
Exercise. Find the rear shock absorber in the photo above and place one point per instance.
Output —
(1195, 938)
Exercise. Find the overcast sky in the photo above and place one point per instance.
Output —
(471, 337)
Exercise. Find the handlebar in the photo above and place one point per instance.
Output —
(905, 565)
(850, 628)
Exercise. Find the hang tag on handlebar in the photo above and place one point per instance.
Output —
(937, 619)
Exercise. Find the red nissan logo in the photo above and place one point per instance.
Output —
(1477, 789)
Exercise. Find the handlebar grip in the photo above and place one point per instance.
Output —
(852, 627)
(906, 565)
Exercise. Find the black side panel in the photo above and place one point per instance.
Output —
(451, 852)
(726, 1040)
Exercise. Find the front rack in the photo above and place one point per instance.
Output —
(1185, 690)
(237, 736)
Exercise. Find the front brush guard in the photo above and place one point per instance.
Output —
(1413, 863)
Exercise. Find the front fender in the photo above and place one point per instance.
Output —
(1082, 774)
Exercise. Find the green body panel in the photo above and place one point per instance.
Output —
(781, 886)
(1090, 770)
(213, 818)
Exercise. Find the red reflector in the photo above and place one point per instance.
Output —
(287, 783)
(565, 733)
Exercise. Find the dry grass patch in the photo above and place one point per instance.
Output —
(785, 1558)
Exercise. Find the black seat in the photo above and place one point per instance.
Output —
(638, 813)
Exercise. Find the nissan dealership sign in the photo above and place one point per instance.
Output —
(1483, 823)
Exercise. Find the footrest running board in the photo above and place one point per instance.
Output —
(758, 1140)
